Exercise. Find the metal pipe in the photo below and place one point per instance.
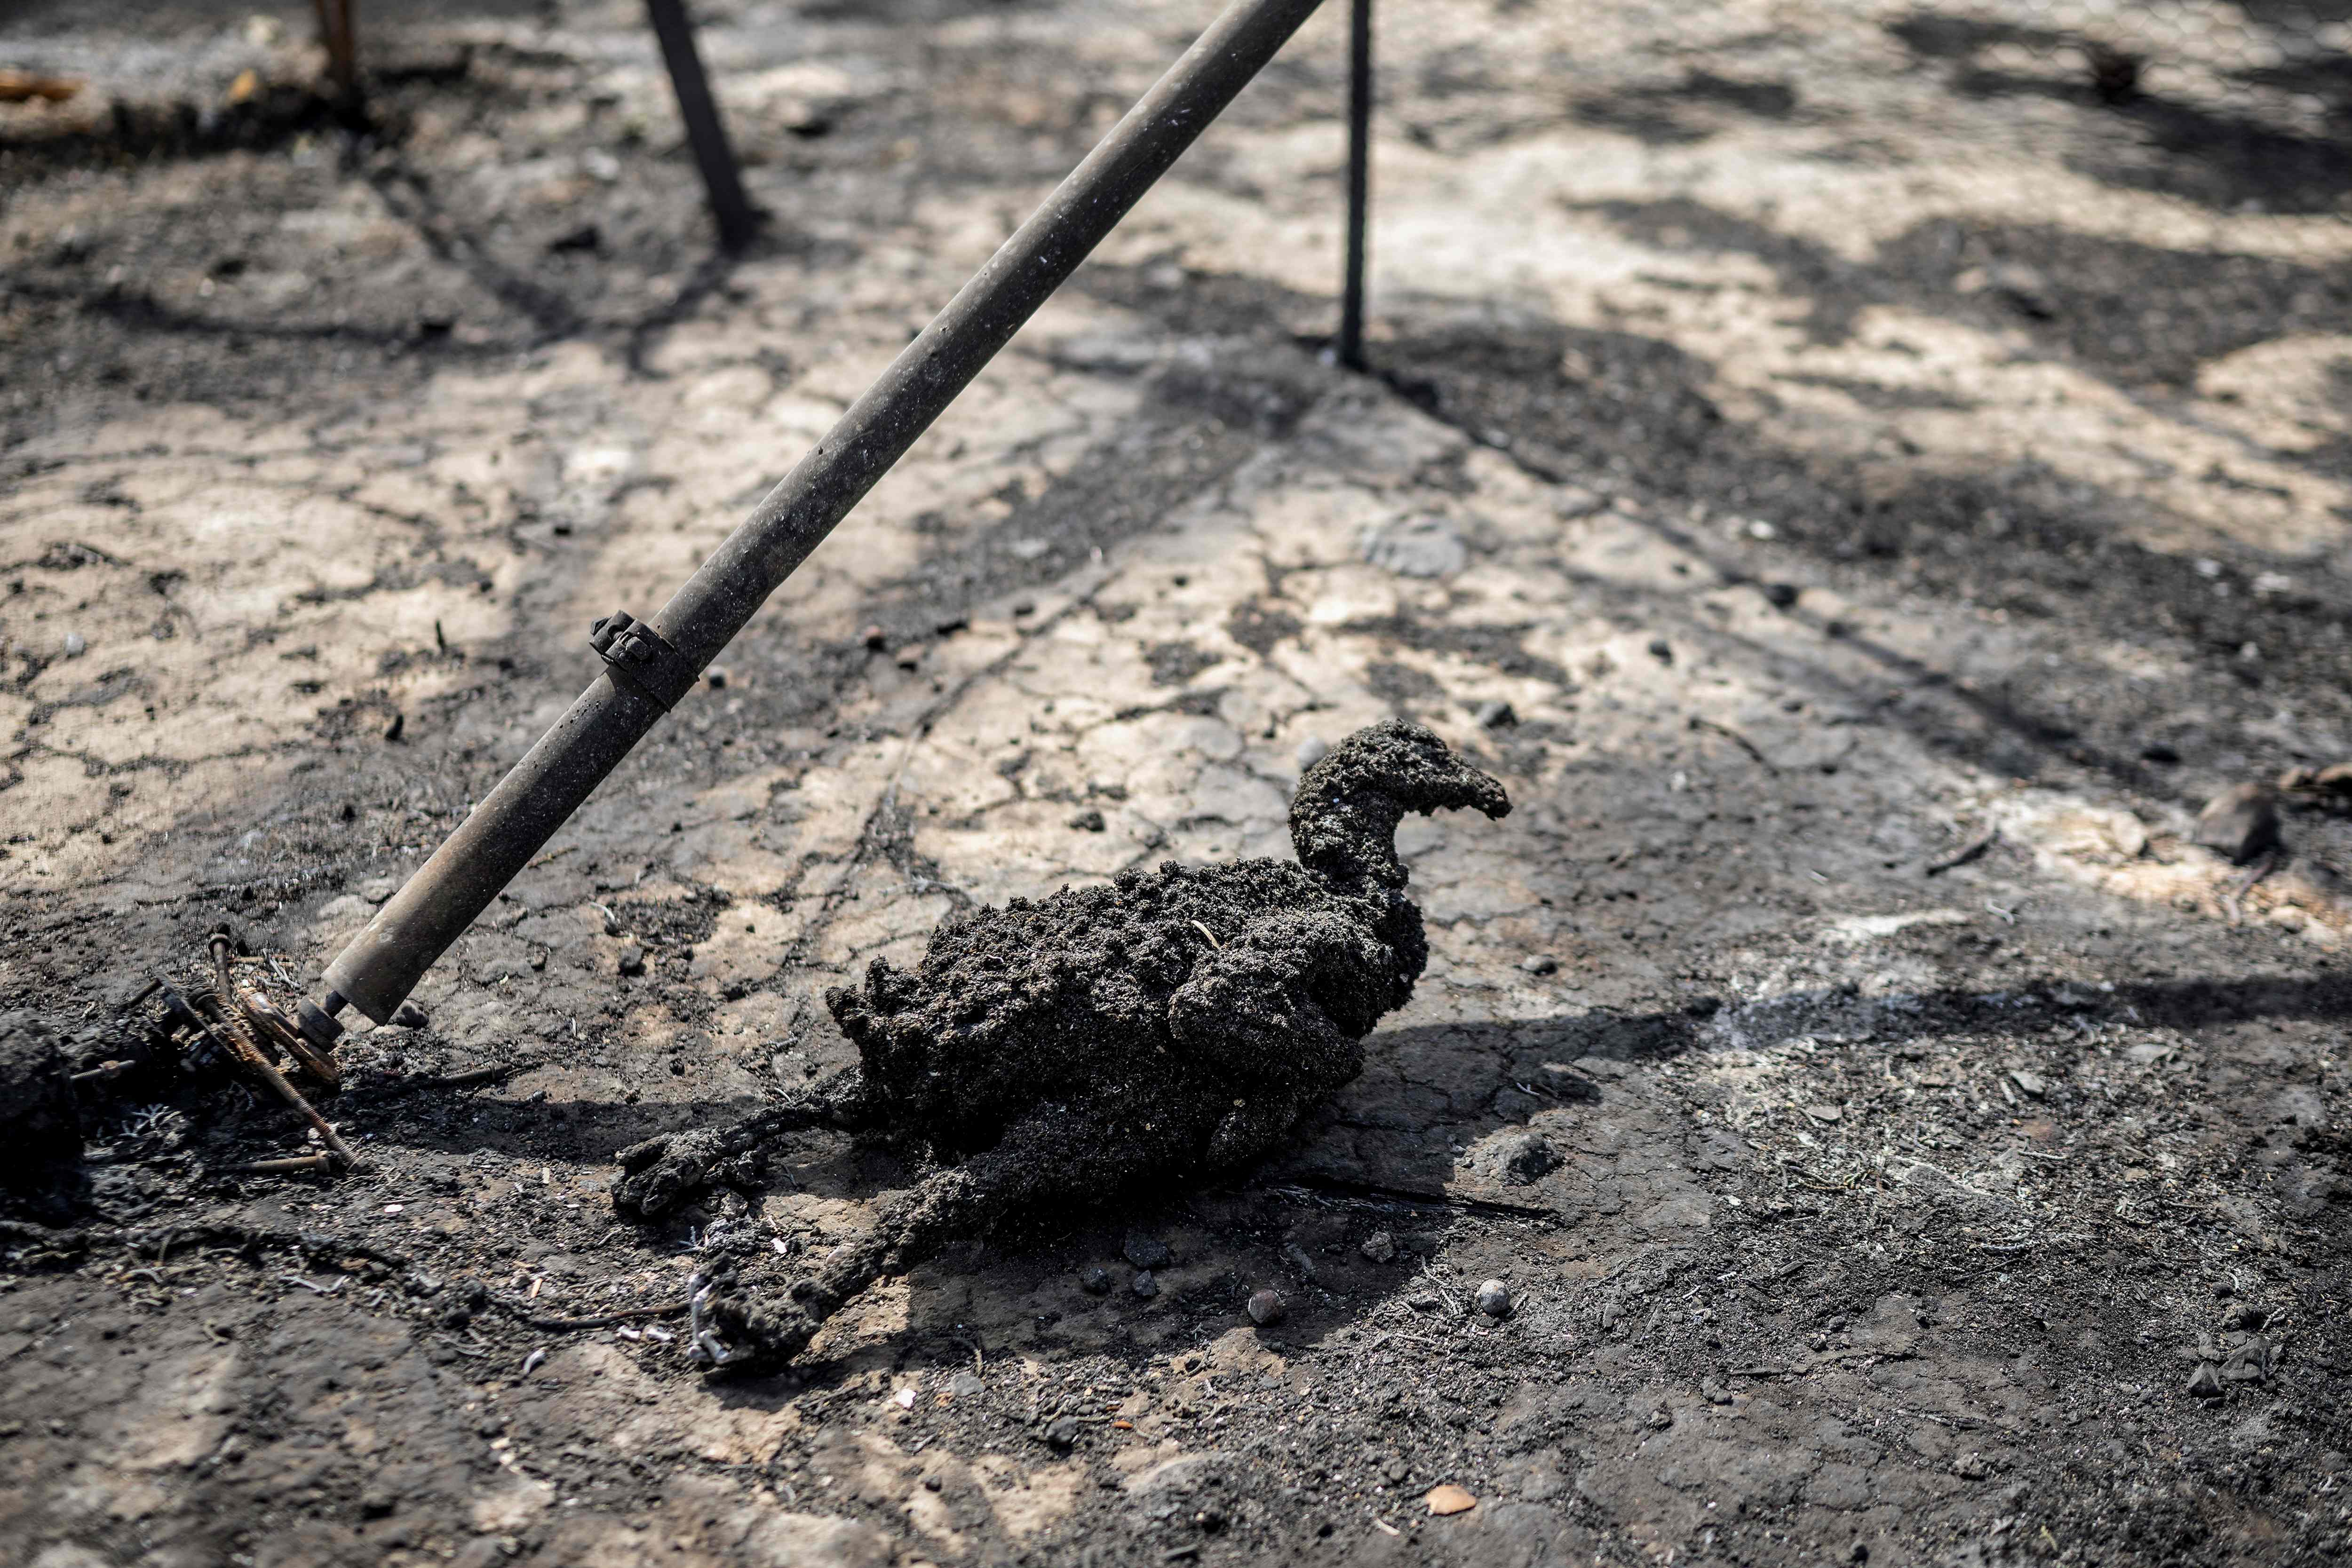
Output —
(1360, 181)
(654, 664)
(704, 131)
(337, 32)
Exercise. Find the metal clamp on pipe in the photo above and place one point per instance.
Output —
(644, 657)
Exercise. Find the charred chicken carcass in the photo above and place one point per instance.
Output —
(1123, 1039)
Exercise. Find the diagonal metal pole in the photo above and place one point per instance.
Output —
(654, 664)
(705, 132)
(1359, 181)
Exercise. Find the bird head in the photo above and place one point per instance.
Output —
(1343, 818)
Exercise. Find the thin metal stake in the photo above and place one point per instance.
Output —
(337, 32)
(704, 130)
(1359, 181)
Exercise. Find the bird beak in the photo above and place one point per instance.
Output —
(1465, 788)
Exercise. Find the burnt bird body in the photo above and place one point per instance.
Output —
(1103, 1041)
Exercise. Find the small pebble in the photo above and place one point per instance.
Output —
(1267, 1308)
(1781, 595)
(1380, 1247)
(1661, 650)
(2205, 1383)
(408, 1015)
(633, 959)
(718, 679)
(1494, 1298)
(1312, 750)
(74, 645)
(1094, 1282)
(1145, 1251)
(1087, 821)
(1063, 1434)
(2239, 823)
(1145, 1285)
(1496, 715)
(1540, 963)
(1449, 1498)
(1524, 1157)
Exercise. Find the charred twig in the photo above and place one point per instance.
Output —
(1738, 739)
(297, 1162)
(1326, 1192)
(520, 1311)
(1975, 850)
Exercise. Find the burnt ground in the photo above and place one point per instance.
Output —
(1804, 448)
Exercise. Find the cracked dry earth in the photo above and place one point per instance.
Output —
(1810, 445)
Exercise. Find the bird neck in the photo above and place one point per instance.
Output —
(1349, 837)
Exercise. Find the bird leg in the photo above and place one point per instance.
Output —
(663, 1172)
(1057, 1151)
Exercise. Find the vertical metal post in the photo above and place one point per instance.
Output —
(704, 130)
(338, 31)
(1359, 181)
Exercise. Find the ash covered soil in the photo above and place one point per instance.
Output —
(1859, 490)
